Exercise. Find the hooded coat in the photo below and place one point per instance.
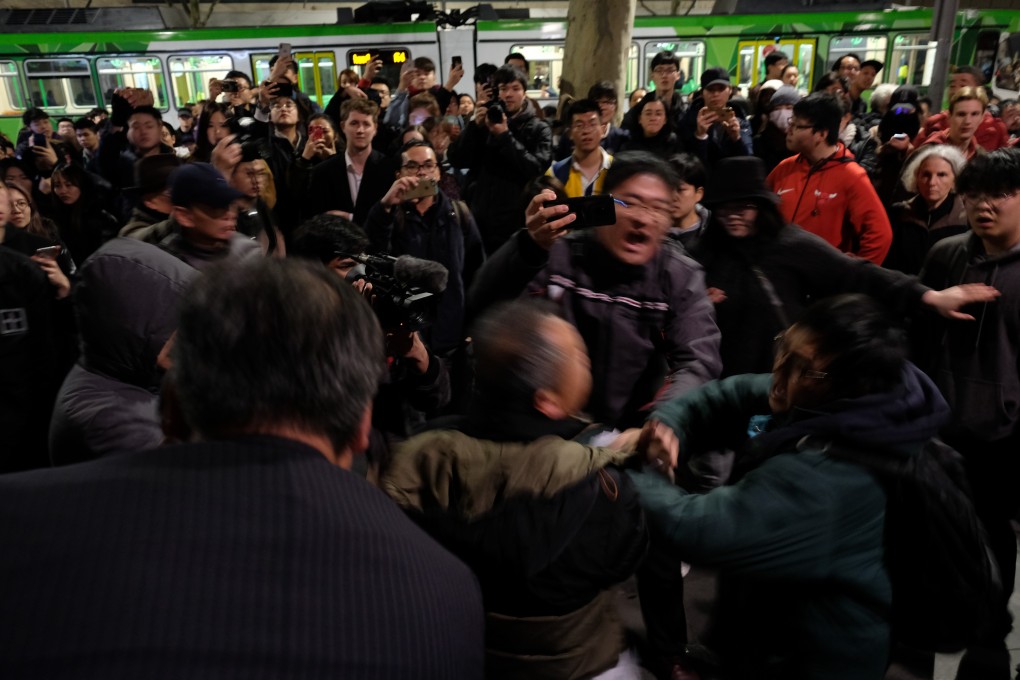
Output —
(127, 303)
(803, 588)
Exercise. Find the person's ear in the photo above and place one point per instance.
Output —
(548, 404)
(183, 216)
(359, 442)
(699, 193)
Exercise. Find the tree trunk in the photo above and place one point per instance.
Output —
(597, 45)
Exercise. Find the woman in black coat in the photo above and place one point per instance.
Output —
(79, 211)
(652, 131)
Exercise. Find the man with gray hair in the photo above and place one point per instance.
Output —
(252, 550)
(546, 525)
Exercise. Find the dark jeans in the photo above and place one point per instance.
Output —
(993, 470)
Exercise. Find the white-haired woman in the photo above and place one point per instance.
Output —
(933, 213)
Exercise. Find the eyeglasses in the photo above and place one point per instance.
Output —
(798, 126)
(634, 208)
(991, 199)
(796, 364)
(589, 125)
(18, 206)
(665, 70)
(285, 104)
(427, 166)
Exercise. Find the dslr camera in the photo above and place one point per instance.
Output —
(495, 111)
(253, 146)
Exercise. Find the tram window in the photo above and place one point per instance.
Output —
(142, 72)
(692, 63)
(913, 58)
(11, 98)
(1007, 64)
(393, 59)
(191, 75)
(545, 67)
(864, 46)
(60, 85)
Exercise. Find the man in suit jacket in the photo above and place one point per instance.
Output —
(252, 551)
(355, 181)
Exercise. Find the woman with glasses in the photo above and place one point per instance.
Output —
(22, 230)
(24, 215)
(934, 212)
(761, 273)
(652, 130)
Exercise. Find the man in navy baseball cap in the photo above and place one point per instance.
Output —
(205, 217)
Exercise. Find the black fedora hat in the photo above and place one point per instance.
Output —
(740, 178)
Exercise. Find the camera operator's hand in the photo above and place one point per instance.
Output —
(215, 88)
(706, 119)
(395, 196)
(267, 92)
(365, 288)
(373, 67)
(354, 92)
(732, 127)
(408, 345)
(45, 156)
(480, 112)
(226, 155)
(56, 277)
(498, 128)
(456, 73)
(546, 225)
(407, 74)
(317, 148)
(279, 71)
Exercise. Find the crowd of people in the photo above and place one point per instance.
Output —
(408, 386)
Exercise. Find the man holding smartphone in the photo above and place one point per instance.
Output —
(415, 218)
(41, 147)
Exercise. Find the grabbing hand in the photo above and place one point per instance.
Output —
(372, 68)
(706, 119)
(45, 156)
(660, 447)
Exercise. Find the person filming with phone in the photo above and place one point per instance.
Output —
(712, 129)
(416, 218)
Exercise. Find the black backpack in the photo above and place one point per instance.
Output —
(945, 582)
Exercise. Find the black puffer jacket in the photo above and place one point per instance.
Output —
(501, 166)
(127, 303)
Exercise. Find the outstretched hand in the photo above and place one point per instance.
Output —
(949, 301)
(660, 447)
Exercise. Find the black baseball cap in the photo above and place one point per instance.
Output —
(873, 63)
(715, 76)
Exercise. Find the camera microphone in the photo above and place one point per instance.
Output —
(426, 274)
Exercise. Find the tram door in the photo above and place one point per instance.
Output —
(317, 73)
(751, 59)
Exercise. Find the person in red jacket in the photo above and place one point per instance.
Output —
(823, 190)
(991, 133)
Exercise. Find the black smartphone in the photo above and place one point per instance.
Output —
(229, 86)
(283, 90)
(591, 211)
(38, 139)
(457, 61)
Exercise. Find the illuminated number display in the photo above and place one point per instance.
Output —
(389, 56)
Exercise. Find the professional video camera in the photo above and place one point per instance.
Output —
(496, 109)
(405, 289)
